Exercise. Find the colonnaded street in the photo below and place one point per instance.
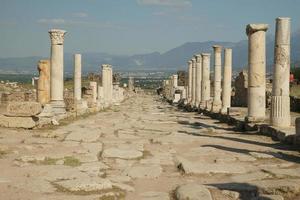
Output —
(145, 149)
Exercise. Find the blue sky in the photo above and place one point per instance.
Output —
(132, 26)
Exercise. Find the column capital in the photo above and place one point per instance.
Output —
(217, 48)
(283, 18)
(189, 62)
(252, 28)
(57, 36)
(198, 57)
(106, 66)
(205, 55)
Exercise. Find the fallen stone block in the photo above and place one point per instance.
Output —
(17, 122)
(23, 109)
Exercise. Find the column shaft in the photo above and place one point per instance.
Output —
(205, 91)
(226, 91)
(217, 78)
(190, 81)
(198, 78)
(280, 102)
(256, 71)
(77, 77)
(193, 82)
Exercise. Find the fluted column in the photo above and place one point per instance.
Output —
(280, 101)
(57, 70)
(193, 82)
(190, 81)
(226, 91)
(217, 103)
(77, 77)
(198, 78)
(106, 83)
(205, 84)
(256, 72)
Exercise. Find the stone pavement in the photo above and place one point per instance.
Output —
(145, 149)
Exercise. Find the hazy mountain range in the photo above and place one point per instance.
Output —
(173, 59)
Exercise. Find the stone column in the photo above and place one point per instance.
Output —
(175, 80)
(131, 83)
(205, 84)
(100, 94)
(226, 91)
(256, 72)
(43, 86)
(190, 81)
(57, 71)
(107, 83)
(280, 101)
(77, 77)
(93, 85)
(217, 103)
(198, 78)
(193, 102)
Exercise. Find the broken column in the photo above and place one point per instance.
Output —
(217, 103)
(107, 84)
(77, 77)
(93, 86)
(131, 83)
(57, 71)
(198, 78)
(175, 80)
(205, 82)
(190, 81)
(226, 91)
(256, 72)
(193, 101)
(280, 102)
(43, 86)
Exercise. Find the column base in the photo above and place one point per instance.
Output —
(251, 119)
(224, 110)
(58, 107)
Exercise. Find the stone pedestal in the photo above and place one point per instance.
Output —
(280, 102)
(190, 81)
(256, 72)
(198, 78)
(205, 82)
(43, 86)
(57, 71)
(217, 103)
(226, 91)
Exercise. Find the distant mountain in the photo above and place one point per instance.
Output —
(173, 59)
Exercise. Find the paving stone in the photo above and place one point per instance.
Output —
(192, 191)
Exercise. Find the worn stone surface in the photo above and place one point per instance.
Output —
(70, 162)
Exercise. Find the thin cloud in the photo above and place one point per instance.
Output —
(80, 14)
(65, 22)
(51, 21)
(166, 3)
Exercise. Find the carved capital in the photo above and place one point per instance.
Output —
(57, 36)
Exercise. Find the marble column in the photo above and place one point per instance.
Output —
(190, 81)
(256, 72)
(193, 102)
(77, 77)
(280, 101)
(43, 86)
(107, 83)
(198, 78)
(226, 91)
(57, 71)
(205, 82)
(175, 80)
(131, 83)
(93, 85)
(217, 103)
